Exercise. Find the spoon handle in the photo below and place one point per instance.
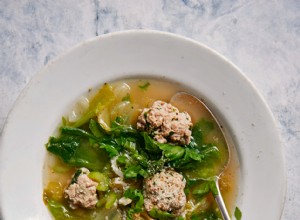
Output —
(220, 202)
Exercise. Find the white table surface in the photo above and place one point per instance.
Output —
(262, 37)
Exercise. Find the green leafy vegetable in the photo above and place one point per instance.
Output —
(110, 200)
(180, 157)
(107, 200)
(101, 100)
(138, 202)
(101, 179)
(150, 144)
(77, 132)
(172, 152)
(161, 215)
(134, 170)
(128, 143)
(119, 128)
(110, 146)
(73, 147)
(192, 156)
(96, 129)
(63, 212)
(200, 129)
(205, 187)
(64, 146)
(59, 211)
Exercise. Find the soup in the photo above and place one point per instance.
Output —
(125, 152)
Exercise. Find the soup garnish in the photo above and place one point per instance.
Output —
(130, 154)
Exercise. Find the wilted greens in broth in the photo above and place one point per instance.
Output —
(127, 153)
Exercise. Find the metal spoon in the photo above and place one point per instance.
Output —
(183, 100)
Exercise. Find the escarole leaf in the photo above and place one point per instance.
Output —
(150, 144)
(102, 180)
(110, 146)
(77, 132)
(134, 170)
(205, 160)
(200, 129)
(59, 211)
(96, 129)
(138, 202)
(74, 148)
(206, 151)
(62, 212)
(128, 143)
(161, 215)
(205, 187)
(118, 128)
(180, 157)
(170, 152)
(64, 146)
(101, 100)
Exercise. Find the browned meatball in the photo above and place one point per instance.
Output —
(166, 123)
(165, 191)
(83, 192)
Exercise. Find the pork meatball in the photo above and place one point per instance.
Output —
(165, 191)
(165, 123)
(82, 193)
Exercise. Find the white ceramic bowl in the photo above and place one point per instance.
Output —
(141, 54)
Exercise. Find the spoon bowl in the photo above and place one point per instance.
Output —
(197, 110)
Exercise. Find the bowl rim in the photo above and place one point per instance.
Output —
(42, 71)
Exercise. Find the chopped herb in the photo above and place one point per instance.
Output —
(237, 213)
(145, 86)
(126, 98)
(76, 175)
